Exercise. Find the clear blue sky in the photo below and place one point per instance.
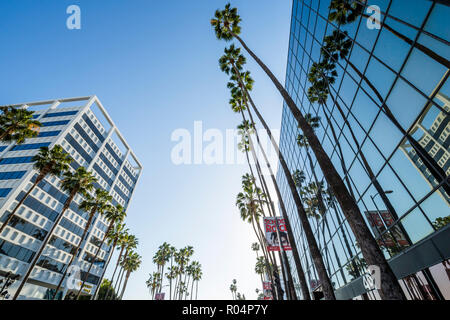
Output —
(153, 65)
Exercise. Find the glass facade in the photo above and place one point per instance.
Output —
(385, 126)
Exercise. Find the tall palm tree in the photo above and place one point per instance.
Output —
(256, 247)
(260, 267)
(112, 214)
(226, 26)
(161, 257)
(113, 238)
(171, 275)
(17, 124)
(239, 81)
(80, 182)
(97, 204)
(184, 257)
(348, 11)
(231, 62)
(115, 215)
(132, 263)
(153, 283)
(122, 243)
(233, 289)
(131, 243)
(47, 162)
(198, 274)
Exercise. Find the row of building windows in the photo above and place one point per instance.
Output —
(30, 146)
(55, 123)
(4, 192)
(48, 134)
(13, 175)
(60, 114)
(18, 252)
(25, 227)
(16, 160)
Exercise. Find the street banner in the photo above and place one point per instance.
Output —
(273, 243)
(159, 296)
(267, 290)
(378, 221)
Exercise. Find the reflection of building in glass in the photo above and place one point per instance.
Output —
(404, 212)
(436, 141)
(84, 129)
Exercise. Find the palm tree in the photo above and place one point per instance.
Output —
(245, 129)
(171, 275)
(160, 258)
(321, 76)
(198, 274)
(255, 247)
(260, 267)
(226, 26)
(229, 64)
(233, 289)
(47, 163)
(153, 283)
(191, 271)
(183, 260)
(132, 263)
(17, 124)
(112, 214)
(122, 239)
(115, 215)
(81, 182)
(113, 238)
(99, 204)
(347, 11)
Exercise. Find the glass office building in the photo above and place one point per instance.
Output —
(387, 69)
(85, 131)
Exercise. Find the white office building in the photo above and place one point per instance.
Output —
(85, 130)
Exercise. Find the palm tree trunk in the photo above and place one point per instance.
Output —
(121, 273)
(170, 280)
(44, 243)
(114, 273)
(315, 252)
(111, 224)
(125, 284)
(271, 208)
(341, 154)
(300, 272)
(88, 224)
(39, 178)
(390, 288)
(192, 288)
(196, 290)
(106, 266)
(433, 55)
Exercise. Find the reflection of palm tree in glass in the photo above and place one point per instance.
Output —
(337, 46)
(348, 11)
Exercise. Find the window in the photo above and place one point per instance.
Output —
(30, 146)
(16, 160)
(4, 192)
(55, 123)
(11, 175)
(60, 114)
(48, 134)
